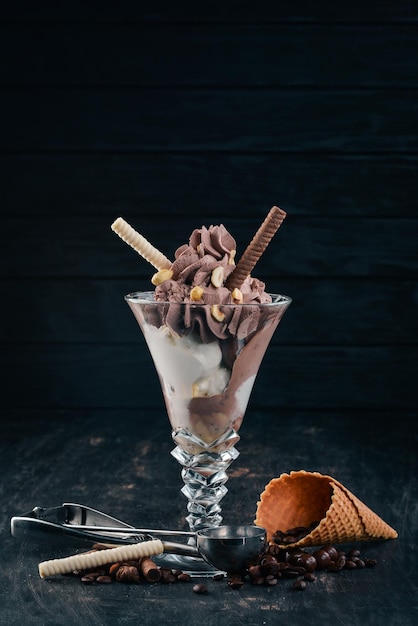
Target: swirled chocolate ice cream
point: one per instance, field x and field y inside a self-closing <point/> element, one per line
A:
<point x="207" y="340"/>
<point x="198" y="276"/>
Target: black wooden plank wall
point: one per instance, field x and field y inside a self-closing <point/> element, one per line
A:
<point x="177" y="116"/>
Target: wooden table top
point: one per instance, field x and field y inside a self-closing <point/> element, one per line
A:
<point x="119" y="463"/>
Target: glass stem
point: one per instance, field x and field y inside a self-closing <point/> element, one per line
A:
<point x="204" y="475"/>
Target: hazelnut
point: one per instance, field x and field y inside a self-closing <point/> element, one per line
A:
<point x="217" y="276"/>
<point x="237" y="296"/>
<point x="217" y="313"/>
<point x="196" y="293"/>
<point x="161" y="276"/>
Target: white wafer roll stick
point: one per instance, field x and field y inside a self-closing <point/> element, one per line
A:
<point x="101" y="557"/>
<point x="140" y="244"/>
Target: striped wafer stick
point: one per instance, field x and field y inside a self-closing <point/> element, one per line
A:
<point x="140" y="244"/>
<point x="256" y="248"/>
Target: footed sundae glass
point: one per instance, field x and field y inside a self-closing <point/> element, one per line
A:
<point x="207" y="358"/>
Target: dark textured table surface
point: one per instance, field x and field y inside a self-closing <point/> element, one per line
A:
<point x="176" y="115"/>
<point x="120" y="463"/>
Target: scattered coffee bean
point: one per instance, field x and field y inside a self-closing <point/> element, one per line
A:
<point x="255" y="571"/>
<point x="292" y="572"/>
<point x="332" y="551"/>
<point x="294" y="562"/>
<point x="183" y="578"/>
<point x="299" y="585"/>
<point x="235" y="581"/>
<point x="104" y="580"/>
<point x="354" y="552"/>
<point x="308" y="561"/>
<point x="127" y="574"/>
<point x="338" y="565"/>
<point x="268" y="565"/>
<point x="88" y="579"/>
<point x="114" y="568"/>
<point x="168" y="576"/>
<point x="176" y="572"/>
<point x="274" y="563"/>
<point x="293" y="535"/>
<point x="294" y="556"/>
<point x="323" y="559"/>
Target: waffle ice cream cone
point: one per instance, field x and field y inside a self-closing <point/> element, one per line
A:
<point x="303" y="499"/>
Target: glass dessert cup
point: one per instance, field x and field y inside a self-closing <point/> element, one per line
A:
<point x="207" y="361"/>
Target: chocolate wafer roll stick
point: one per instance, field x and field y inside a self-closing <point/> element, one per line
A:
<point x="256" y="248"/>
<point x="140" y="244"/>
<point x="151" y="571"/>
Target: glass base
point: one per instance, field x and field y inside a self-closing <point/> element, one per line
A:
<point x="195" y="567"/>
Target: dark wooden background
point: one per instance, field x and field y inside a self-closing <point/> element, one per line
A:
<point x="176" y="115"/>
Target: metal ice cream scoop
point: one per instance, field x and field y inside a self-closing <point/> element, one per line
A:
<point x="228" y="548"/>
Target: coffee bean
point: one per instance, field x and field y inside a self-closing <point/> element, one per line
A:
<point x="271" y="580"/>
<point x="293" y="572"/>
<point x="354" y="552"/>
<point x="332" y="551"/>
<point x="268" y="559"/>
<point x="283" y="566"/>
<point x="176" y="572"/>
<point x="338" y="565"/>
<point x="293" y="535"/>
<point x="333" y="567"/>
<point x="279" y="536"/>
<point x="308" y="561"/>
<point x="104" y="580"/>
<point x="127" y="574"/>
<point x="183" y="578"/>
<point x="299" y="585"/>
<point x="322" y="559"/>
<point x="268" y="568"/>
<point x="295" y="555"/>
<point x="235" y="581"/>
<point x="268" y="565"/>
<point x="289" y="539"/>
<point x="254" y="571"/>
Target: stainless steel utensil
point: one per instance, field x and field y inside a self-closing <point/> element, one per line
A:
<point x="227" y="548"/>
<point x="76" y="525"/>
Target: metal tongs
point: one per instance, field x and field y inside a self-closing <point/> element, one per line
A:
<point x="77" y="525"/>
<point x="227" y="548"/>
